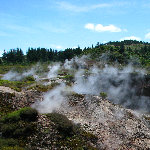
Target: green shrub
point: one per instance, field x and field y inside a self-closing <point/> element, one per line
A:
<point x="8" y="129"/>
<point x="11" y="117"/>
<point x="24" y="130"/>
<point x="29" y="78"/>
<point x="7" y="142"/>
<point x="28" y="114"/>
<point x="44" y="88"/>
<point x="19" y="129"/>
<point x="103" y="95"/>
<point x="19" y="123"/>
<point x="68" y="78"/>
<point x="62" y="123"/>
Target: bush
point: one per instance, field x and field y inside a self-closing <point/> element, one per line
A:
<point x="103" y="95"/>
<point x="15" y="130"/>
<point x="19" y="123"/>
<point x="62" y="123"/>
<point x="11" y="117"/>
<point x="7" y="142"/>
<point x="23" y="130"/>
<point x="8" y="129"/>
<point x="29" y="78"/>
<point x="28" y="114"/>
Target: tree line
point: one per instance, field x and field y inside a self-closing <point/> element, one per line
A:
<point x="39" y="55"/>
<point x="121" y="52"/>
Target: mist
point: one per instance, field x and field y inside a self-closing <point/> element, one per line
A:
<point x="53" y="70"/>
<point x="15" y="76"/>
<point x="120" y="84"/>
<point x="52" y="100"/>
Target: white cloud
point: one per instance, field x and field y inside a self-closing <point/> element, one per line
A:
<point x="75" y="8"/>
<point x="131" y="38"/>
<point x="90" y="26"/>
<point x="147" y="36"/>
<point x="101" y="28"/>
<point x="110" y="28"/>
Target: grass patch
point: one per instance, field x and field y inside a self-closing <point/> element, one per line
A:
<point x="77" y="95"/>
<point x="18" y="68"/>
<point x="16" y="85"/>
<point x="68" y="78"/>
<point x="44" y="88"/>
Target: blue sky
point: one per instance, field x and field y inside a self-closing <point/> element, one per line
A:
<point x="60" y="24"/>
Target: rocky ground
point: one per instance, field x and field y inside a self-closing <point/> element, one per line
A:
<point x="115" y="126"/>
<point x="19" y="99"/>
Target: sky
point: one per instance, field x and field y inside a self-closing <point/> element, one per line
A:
<point x="60" y="24"/>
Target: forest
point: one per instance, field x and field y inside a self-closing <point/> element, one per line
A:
<point x="121" y="52"/>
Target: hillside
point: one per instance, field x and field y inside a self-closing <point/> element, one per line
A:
<point x="77" y="104"/>
<point x="102" y="125"/>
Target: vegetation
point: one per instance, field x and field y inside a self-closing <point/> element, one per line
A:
<point x="16" y="85"/>
<point x="103" y="95"/>
<point x="68" y="78"/>
<point x="6" y="144"/>
<point x="44" y="88"/>
<point x="16" y="126"/>
<point x="62" y="123"/>
<point x="121" y="52"/>
<point x="73" y="136"/>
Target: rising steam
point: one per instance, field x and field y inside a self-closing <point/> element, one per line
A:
<point x="52" y="100"/>
<point x="120" y="84"/>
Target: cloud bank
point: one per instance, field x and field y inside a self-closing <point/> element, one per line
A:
<point x="101" y="28"/>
